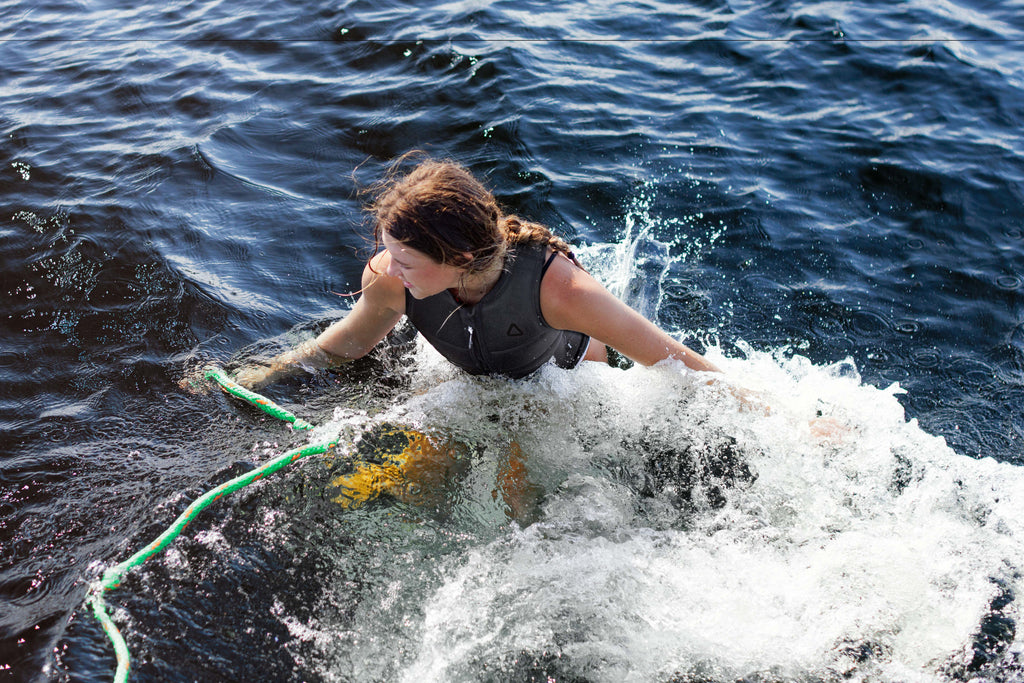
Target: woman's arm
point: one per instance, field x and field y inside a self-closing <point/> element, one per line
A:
<point x="379" y="308"/>
<point x="571" y="299"/>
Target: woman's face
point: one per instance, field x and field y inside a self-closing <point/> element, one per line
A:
<point x="421" y="275"/>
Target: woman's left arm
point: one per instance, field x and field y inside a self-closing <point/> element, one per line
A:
<point x="571" y="299"/>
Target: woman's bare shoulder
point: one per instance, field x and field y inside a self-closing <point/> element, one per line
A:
<point x="566" y="288"/>
<point x="380" y="289"/>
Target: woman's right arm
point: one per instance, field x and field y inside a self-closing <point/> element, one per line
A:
<point x="380" y="306"/>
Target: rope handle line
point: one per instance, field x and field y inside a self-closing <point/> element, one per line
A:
<point x="113" y="576"/>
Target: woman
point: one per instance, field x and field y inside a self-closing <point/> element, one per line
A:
<point x="492" y="293"/>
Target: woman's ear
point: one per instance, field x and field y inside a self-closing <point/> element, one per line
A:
<point x="465" y="259"/>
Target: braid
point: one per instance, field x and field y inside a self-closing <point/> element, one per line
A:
<point x="518" y="231"/>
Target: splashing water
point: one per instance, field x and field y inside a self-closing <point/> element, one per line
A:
<point x="785" y="523"/>
<point x="880" y="553"/>
<point x="634" y="268"/>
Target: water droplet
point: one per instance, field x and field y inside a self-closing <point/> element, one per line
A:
<point x="895" y="373"/>
<point x="878" y="357"/>
<point x="1008" y="282"/>
<point x="926" y="358"/>
<point x="908" y="326"/>
<point x="868" y="323"/>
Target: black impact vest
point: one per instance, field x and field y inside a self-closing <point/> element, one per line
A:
<point x="504" y="333"/>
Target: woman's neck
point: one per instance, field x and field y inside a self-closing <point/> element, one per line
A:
<point x="474" y="287"/>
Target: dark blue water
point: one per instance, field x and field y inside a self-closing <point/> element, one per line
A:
<point x="827" y="198"/>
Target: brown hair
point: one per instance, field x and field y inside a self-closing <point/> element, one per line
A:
<point x="440" y="209"/>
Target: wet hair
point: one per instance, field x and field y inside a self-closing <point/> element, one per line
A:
<point x="440" y="209"/>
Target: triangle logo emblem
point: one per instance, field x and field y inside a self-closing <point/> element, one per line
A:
<point x="514" y="331"/>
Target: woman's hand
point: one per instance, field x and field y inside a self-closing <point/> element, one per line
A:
<point x="257" y="376"/>
<point x="194" y="381"/>
<point x="259" y="372"/>
<point x="306" y="356"/>
<point x="829" y="430"/>
<point x="823" y="429"/>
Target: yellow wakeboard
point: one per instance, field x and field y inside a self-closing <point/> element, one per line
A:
<point x="405" y="463"/>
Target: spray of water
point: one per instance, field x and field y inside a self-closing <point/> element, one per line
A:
<point x="686" y="530"/>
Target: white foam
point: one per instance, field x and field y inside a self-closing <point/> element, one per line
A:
<point x="883" y="539"/>
<point x="865" y="549"/>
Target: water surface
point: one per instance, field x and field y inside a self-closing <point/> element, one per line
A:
<point x="825" y="198"/>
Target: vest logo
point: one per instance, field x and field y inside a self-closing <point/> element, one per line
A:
<point x="514" y="331"/>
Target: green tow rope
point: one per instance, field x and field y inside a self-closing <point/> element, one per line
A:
<point x="112" y="577"/>
<point x="261" y="402"/>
